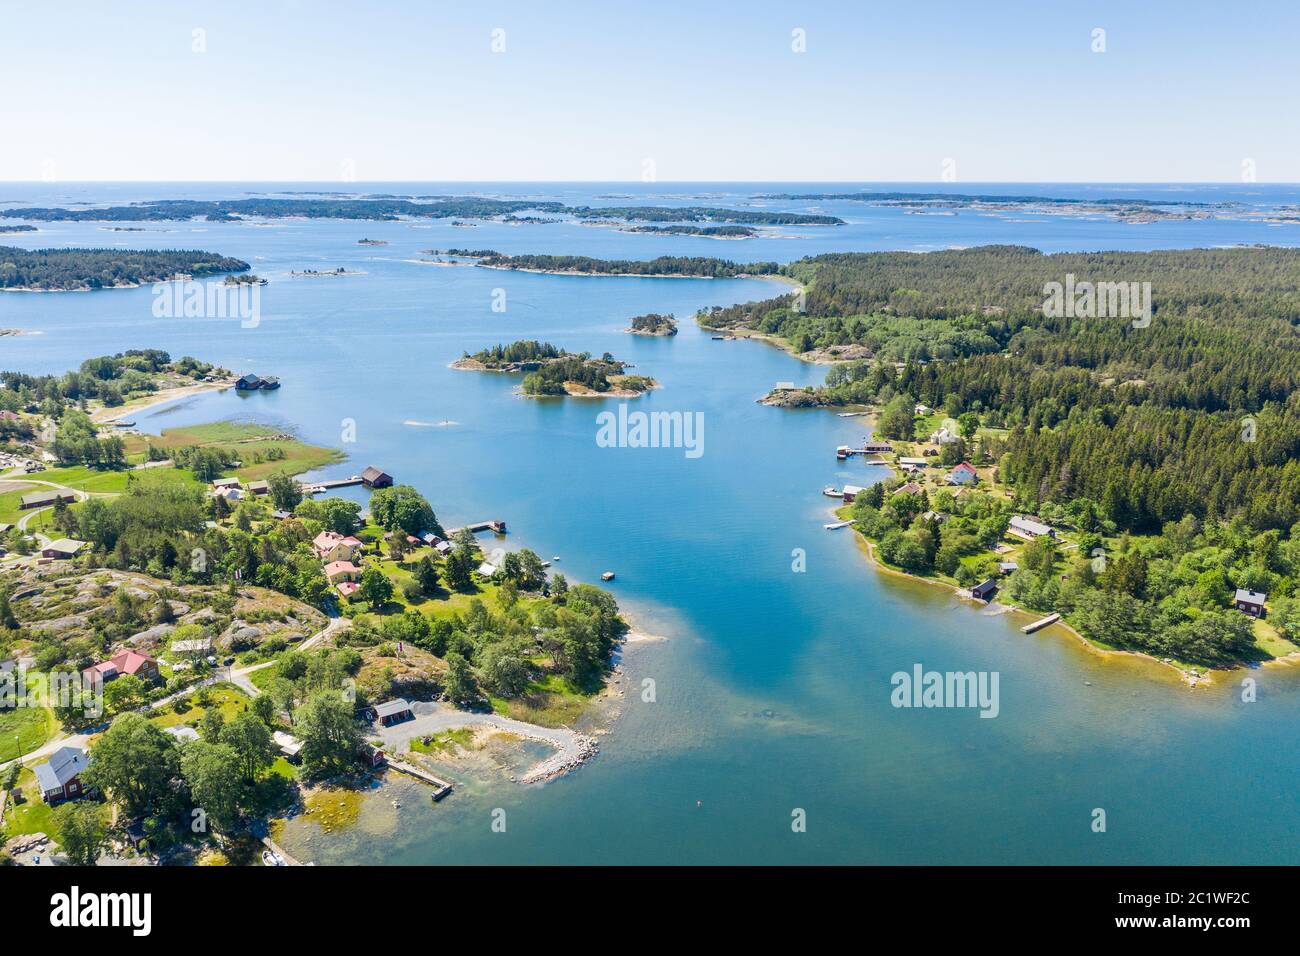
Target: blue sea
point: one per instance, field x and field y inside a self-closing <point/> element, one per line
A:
<point x="772" y="685"/>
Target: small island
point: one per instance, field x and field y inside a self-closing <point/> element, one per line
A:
<point x="653" y="324"/>
<point x="372" y="242"/>
<point x="551" y="371"/>
<point x="704" y="232"/>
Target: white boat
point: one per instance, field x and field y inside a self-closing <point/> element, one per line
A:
<point x="270" y="858"/>
<point x="830" y="492"/>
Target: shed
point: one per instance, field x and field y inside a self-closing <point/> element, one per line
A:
<point x="372" y="477"/>
<point x="984" y="590"/>
<point x="394" y="712"/>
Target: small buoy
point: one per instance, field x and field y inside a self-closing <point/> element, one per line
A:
<point x="698" y="804"/>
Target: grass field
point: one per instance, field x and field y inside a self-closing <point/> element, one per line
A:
<point x="23" y="729"/>
<point x="227" y="698"/>
<point x="246" y="441"/>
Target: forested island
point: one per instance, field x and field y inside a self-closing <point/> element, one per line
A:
<point x="653" y="324"/>
<point x="705" y="232"/>
<point x="67" y="270"/>
<point x="392" y="208"/>
<point x="1169" y="449"/>
<point x="666" y="266"/>
<point x="16" y="228"/>
<point x="550" y="370"/>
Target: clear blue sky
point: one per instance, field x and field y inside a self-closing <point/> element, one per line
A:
<point x="590" y="90"/>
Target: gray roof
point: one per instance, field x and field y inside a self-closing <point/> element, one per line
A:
<point x="390" y="707"/>
<point x="1251" y="597"/>
<point x="64" y="764"/>
<point x="183" y="732"/>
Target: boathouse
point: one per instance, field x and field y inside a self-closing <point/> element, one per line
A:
<point x="372" y="477"/>
<point x="394" y="712"/>
<point x="984" y="590"/>
<point x="1250" y="602"/>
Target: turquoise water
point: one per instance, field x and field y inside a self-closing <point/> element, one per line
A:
<point x="772" y="686"/>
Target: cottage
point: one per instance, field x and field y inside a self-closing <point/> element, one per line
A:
<point x="43" y="499"/>
<point x="877" y="447"/>
<point x="63" y="549"/>
<point x="851" y="492"/>
<point x="337" y="571"/>
<point x="259" y="487"/>
<point x="943" y="437"/>
<point x="225" y="483"/>
<point x="60" y="777"/>
<point x="911" y="488"/>
<point x="331" y="546"/>
<point x="126" y="662"/>
<point x="913" y="462"/>
<point x="1250" y="602"/>
<point x="372" y="477"/>
<point x="429" y="538"/>
<point x="1006" y="567"/>
<point x="347" y="589"/>
<point x="984" y="590"/>
<point x="939" y="516"/>
<point x="289" y="746"/>
<point x="1029" y="529"/>
<point x="182" y="733"/>
<point x="394" y="712"/>
<point x="963" y="474"/>
<point x="443" y="547"/>
<point x="487" y="569"/>
<point x="248" y="383"/>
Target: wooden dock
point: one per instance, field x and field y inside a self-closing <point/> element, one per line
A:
<point x="279" y="851"/>
<point x="1038" y="625"/>
<point x="316" y="487"/>
<point x="440" y="787"/>
<point x="497" y="526"/>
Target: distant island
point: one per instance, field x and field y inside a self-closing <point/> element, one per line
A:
<point x="666" y="266"/>
<point x="653" y="324"/>
<point x="16" y="228"/>
<point x="1125" y="210"/>
<point x="372" y="242"/>
<point x="551" y="371"/>
<point x="392" y="208"/>
<point x="71" y="270"/>
<point x="705" y="232"/>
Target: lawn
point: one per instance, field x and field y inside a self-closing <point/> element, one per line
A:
<point x="34" y="816"/>
<point x="227" y="698"/>
<point x="32" y="726"/>
<point x="247" y="442"/>
<point x="10" y="501"/>
<point x="552" y="701"/>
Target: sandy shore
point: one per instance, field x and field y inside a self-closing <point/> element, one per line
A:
<point x="106" y="415"/>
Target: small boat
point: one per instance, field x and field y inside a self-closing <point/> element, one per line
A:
<point x="607" y="576"/>
<point x="270" y="858"/>
<point x="830" y="492"/>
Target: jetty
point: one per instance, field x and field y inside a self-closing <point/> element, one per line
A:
<point x="499" y="527"/>
<point x="279" y="851"/>
<point x="868" y="448"/>
<point x="440" y="787"/>
<point x="316" y="487"/>
<point x="1037" y="625"/>
<point x="836" y="525"/>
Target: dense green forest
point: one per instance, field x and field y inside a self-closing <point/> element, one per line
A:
<point x="967" y="198"/>
<point x="1176" y="441"/>
<point x="108" y="378"/>
<point x="74" y="269"/>
<point x="703" y="266"/>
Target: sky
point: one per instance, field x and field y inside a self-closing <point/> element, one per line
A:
<point x="1008" y="91"/>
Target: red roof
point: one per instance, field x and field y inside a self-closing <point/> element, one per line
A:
<point x="340" y="567"/>
<point x="348" y="588"/>
<point x="965" y="466"/>
<point x="127" y="662"/>
<point x="8" y="416"/>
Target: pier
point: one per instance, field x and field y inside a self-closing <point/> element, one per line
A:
<point x="498" y="527"/>
<point x="279" y="851"/>
<point x="1038" y="625"/>
<point x="440" y="787"/>
<point x="316" y="487"/>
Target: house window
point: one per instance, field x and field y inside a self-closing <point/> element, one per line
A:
<point x="73" y="787"/>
